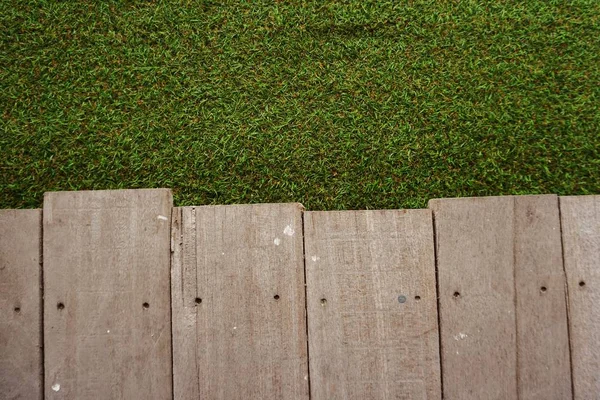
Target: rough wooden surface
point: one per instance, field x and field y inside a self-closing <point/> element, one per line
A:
<point x="20" y="305"/>
<point x="502" y="298"/>
<point x="238" y="302"/>
<point x="107" y="328"/>
<point x="474" y="241"/>
<point x="371" y="300"/>
<point x="544" y="370"/>
<point x="581" y="240"/>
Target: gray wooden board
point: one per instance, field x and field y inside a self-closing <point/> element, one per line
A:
<point x="503" y="320"/>
<point x="371" y="301"/>
<point x="107" y="327"/>
<point x="239" y="325"/>
<point x="20" y="305"/>
<point x="474" y="242"/>
<point x="581" y="239"/>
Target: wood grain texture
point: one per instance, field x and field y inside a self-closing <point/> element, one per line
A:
<point x="107" y="327"/>
<point x="502" y="301"/>
<point x="474" y="241"/>
<point x="544" y="370"/>
<point x="581" y="240"/>
<point x="20" y="304"/>
<point x="239" y="325"/>
<point x="371" y="300"/>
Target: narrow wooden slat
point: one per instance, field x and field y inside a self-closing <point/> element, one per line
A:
<point x="371" y="300"/>
<point x="20" y="305"/>
<point x="542" y="330"/>
<point x="474" y="242"/>
<point x="581" y="239"/>
<point x="107" y="328"/>
<point x="502" y="299"/>
<point x="238" y="301"/>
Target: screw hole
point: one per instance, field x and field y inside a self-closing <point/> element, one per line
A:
<point x="417" y="298"/>
<point x="323" y="302"/>
<point x="17" y="309"/>
<point x="198" y="300"/>
<point x="276" y="297"/>
<point x="543" y="288"/>
<point x="60" y="306"/>
<point x="146" y="305"/>
<point x="581" y="283"/>
<point x="456" y="294"/>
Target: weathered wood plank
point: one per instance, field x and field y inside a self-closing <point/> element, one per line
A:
<point x="107" y="328"/>
<point x="239" y="326"/>
<point x="371" y="300"/>
<point x="581" y="239"/>
<point x="544" y="370"/>
<point x="502" y="299"/>
<point x="474" y="240"/>
<point x="20" y="304"/>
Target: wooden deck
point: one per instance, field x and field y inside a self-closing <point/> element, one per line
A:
<point x="120" y="295"/>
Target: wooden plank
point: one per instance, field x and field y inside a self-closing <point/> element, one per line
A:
<point x="501" y="283"/>
<point x="239" y="326"/>
<point x="371" y="300"/>
<point x="544" y="370"/>
<point x="107" y="327"/>
<point x="474" y="243"/>
<point x="20" y="304"/>
<point x="580" y="218"/>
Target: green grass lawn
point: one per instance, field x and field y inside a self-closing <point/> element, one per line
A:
<point x="338" y="105"/>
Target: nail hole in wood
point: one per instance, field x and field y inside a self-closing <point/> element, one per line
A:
<point x="60" y="306"/>
<point x="323" y="302"/>
<point x="543" y="288"/>
<point x="276" y="297"/>
<point x="417" y="298"/>
<point x="146" y="305"/>
<point x="456" y="294"/>
<point x="581" y="283"/>
<point x="17" y="309"/>
<point x="198" y="300"/>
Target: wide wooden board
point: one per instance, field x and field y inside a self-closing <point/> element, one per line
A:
<point x="107" y="327"/>
<point x="503" y="318"/>
<point x="239" y="325"/>
<point x="580" y="217"/>
<point x="20" y="304"/>
<point x="371" y="300"/>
